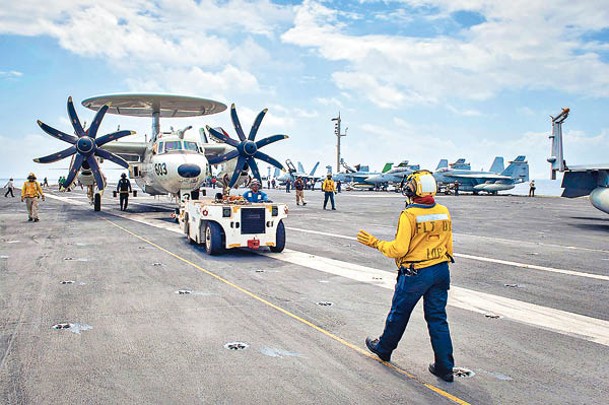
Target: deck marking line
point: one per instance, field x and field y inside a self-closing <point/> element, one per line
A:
<point x="480" y="258"/>
<point x="566" y="323"/>
<point x="296" y="317"/>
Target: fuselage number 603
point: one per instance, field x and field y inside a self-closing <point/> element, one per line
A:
<point x="160" y="169"/>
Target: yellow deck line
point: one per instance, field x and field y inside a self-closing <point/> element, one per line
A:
<point x="296" y="317"/>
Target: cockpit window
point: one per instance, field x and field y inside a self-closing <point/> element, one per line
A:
<point x="191" y="146"/>
<point x="172" y="145"/>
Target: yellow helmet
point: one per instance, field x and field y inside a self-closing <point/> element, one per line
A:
<point x="421" y="183"/>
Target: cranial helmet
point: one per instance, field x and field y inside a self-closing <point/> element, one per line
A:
<point x="123" y="175"/>
<point x="421" y="184"/>
<point x="329" y="176"/>
<point x="255" y="183"/>
<point x="31" y="176"/>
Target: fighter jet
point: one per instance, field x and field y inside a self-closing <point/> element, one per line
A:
<point x="581" y="180"/>
<point x="491" y="182"/>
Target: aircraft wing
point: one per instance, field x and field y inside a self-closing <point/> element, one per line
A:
<point x="477" y="176"/>
<point x="130" y="151"/>
<point x="588" y="168"/>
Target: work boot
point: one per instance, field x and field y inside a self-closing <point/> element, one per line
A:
<point x="448" y="377"/>
<point x="30" y="219"/>
<point x="372" y="345"/>
<point x="304" y="203"/>
<point x="333" y="209"/>
<point x="36" y="220"/>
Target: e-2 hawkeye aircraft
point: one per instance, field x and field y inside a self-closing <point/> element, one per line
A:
<point x="170" y="162"/>
<point x="578" y="181"/>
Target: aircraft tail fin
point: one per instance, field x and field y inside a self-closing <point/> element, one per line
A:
<point x="556" y="160"/>
<point x="314" y="169"/>
<point x="277" y="172"/>
<point x="443" y="163"/>
<point x="300" y="167"/>
<point x="387" y="167"/>
<point x="498" y="165"/>
<point x="460" y="164"/>
<point x="518" y="169"/>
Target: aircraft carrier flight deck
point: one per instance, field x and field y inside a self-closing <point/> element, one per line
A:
<point x="118" y="307"/>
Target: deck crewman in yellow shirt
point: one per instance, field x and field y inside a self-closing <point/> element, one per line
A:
<point x="422" y="248"/>
<point x="329" y="188"/>
<point x="31" y="192"/>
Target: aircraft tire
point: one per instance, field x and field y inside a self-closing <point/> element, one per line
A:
<point x="279" y="239"/>
<point x="213" y="239"/>
<point x="97" y="202"/>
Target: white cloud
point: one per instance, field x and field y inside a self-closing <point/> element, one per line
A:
<point x="11" y="74"/>
<point x="519" y="46"/>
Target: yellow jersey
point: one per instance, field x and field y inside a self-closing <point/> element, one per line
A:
<point x="31" y="189"/>
<point x="328" y="185"/>
<point x="423" y="238"/>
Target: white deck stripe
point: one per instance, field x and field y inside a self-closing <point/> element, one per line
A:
<point x="566" y="323"/>
<point x="482" y="259"/>
<point x="591" y="329"/>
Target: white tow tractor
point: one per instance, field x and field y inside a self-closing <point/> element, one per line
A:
<point x="233" y="222"/>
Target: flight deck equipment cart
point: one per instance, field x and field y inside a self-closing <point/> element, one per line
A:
<point x="233" y="222"/>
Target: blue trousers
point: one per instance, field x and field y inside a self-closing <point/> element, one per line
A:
<point x="330" y="195"/>
<point x="432" y="283"/>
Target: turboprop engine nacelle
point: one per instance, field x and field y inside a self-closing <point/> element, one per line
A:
<point x="599" y="198"/>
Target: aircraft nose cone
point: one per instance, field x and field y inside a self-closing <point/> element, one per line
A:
<point x="189" y="170"/>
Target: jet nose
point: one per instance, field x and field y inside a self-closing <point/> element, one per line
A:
<point x="189" y="170"/>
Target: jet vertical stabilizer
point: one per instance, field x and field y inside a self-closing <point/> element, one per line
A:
<point x="518" y="169"/>
<point x="443" y="163"/>
<point x="497" y="166"/>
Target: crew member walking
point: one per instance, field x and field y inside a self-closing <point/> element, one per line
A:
<point x="422" y="248"/>
<point x="124" y="188"/>
<point x="329" y="189"/>
<point x="299" y="187"/>
<point x="31" y="192"/>
<point x="9" y="188"/>
<point x="532" y="188"/>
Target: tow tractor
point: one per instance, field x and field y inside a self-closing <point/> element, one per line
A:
<point x="230" y="222"/>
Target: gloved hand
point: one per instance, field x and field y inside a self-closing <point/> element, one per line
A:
<point x="367" y="239"/>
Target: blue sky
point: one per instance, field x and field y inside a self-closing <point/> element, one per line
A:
<point x="412" y="79"/>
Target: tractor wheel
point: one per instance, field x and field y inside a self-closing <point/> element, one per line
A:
<point x="213" y="239"/>
<point x="279" y="239"/>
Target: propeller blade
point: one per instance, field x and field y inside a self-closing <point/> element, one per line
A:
<point x="92" y="132"/>
<point x="256" y="124"/>
<point x="222" y="137"/>
<point x="102" y="140"/>
<point x="112" y="157"/>
<point x="236" y="122"/>
<point x="254" y="166"/>
<point x="57" y="134"/>
<point x="223" y="158"/>
<point x="74" y="118"/>
<point x="263" y="156"/>
<point x="238" y="169"/>
<point x="269" y="140"/>
<point x="76" y="165"/>
<point x="54" y="157"/>
<point x="96" y="172"/>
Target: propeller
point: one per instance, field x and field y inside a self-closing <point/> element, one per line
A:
<point x="85" y="145"/>
<point x="246" y="150"/>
